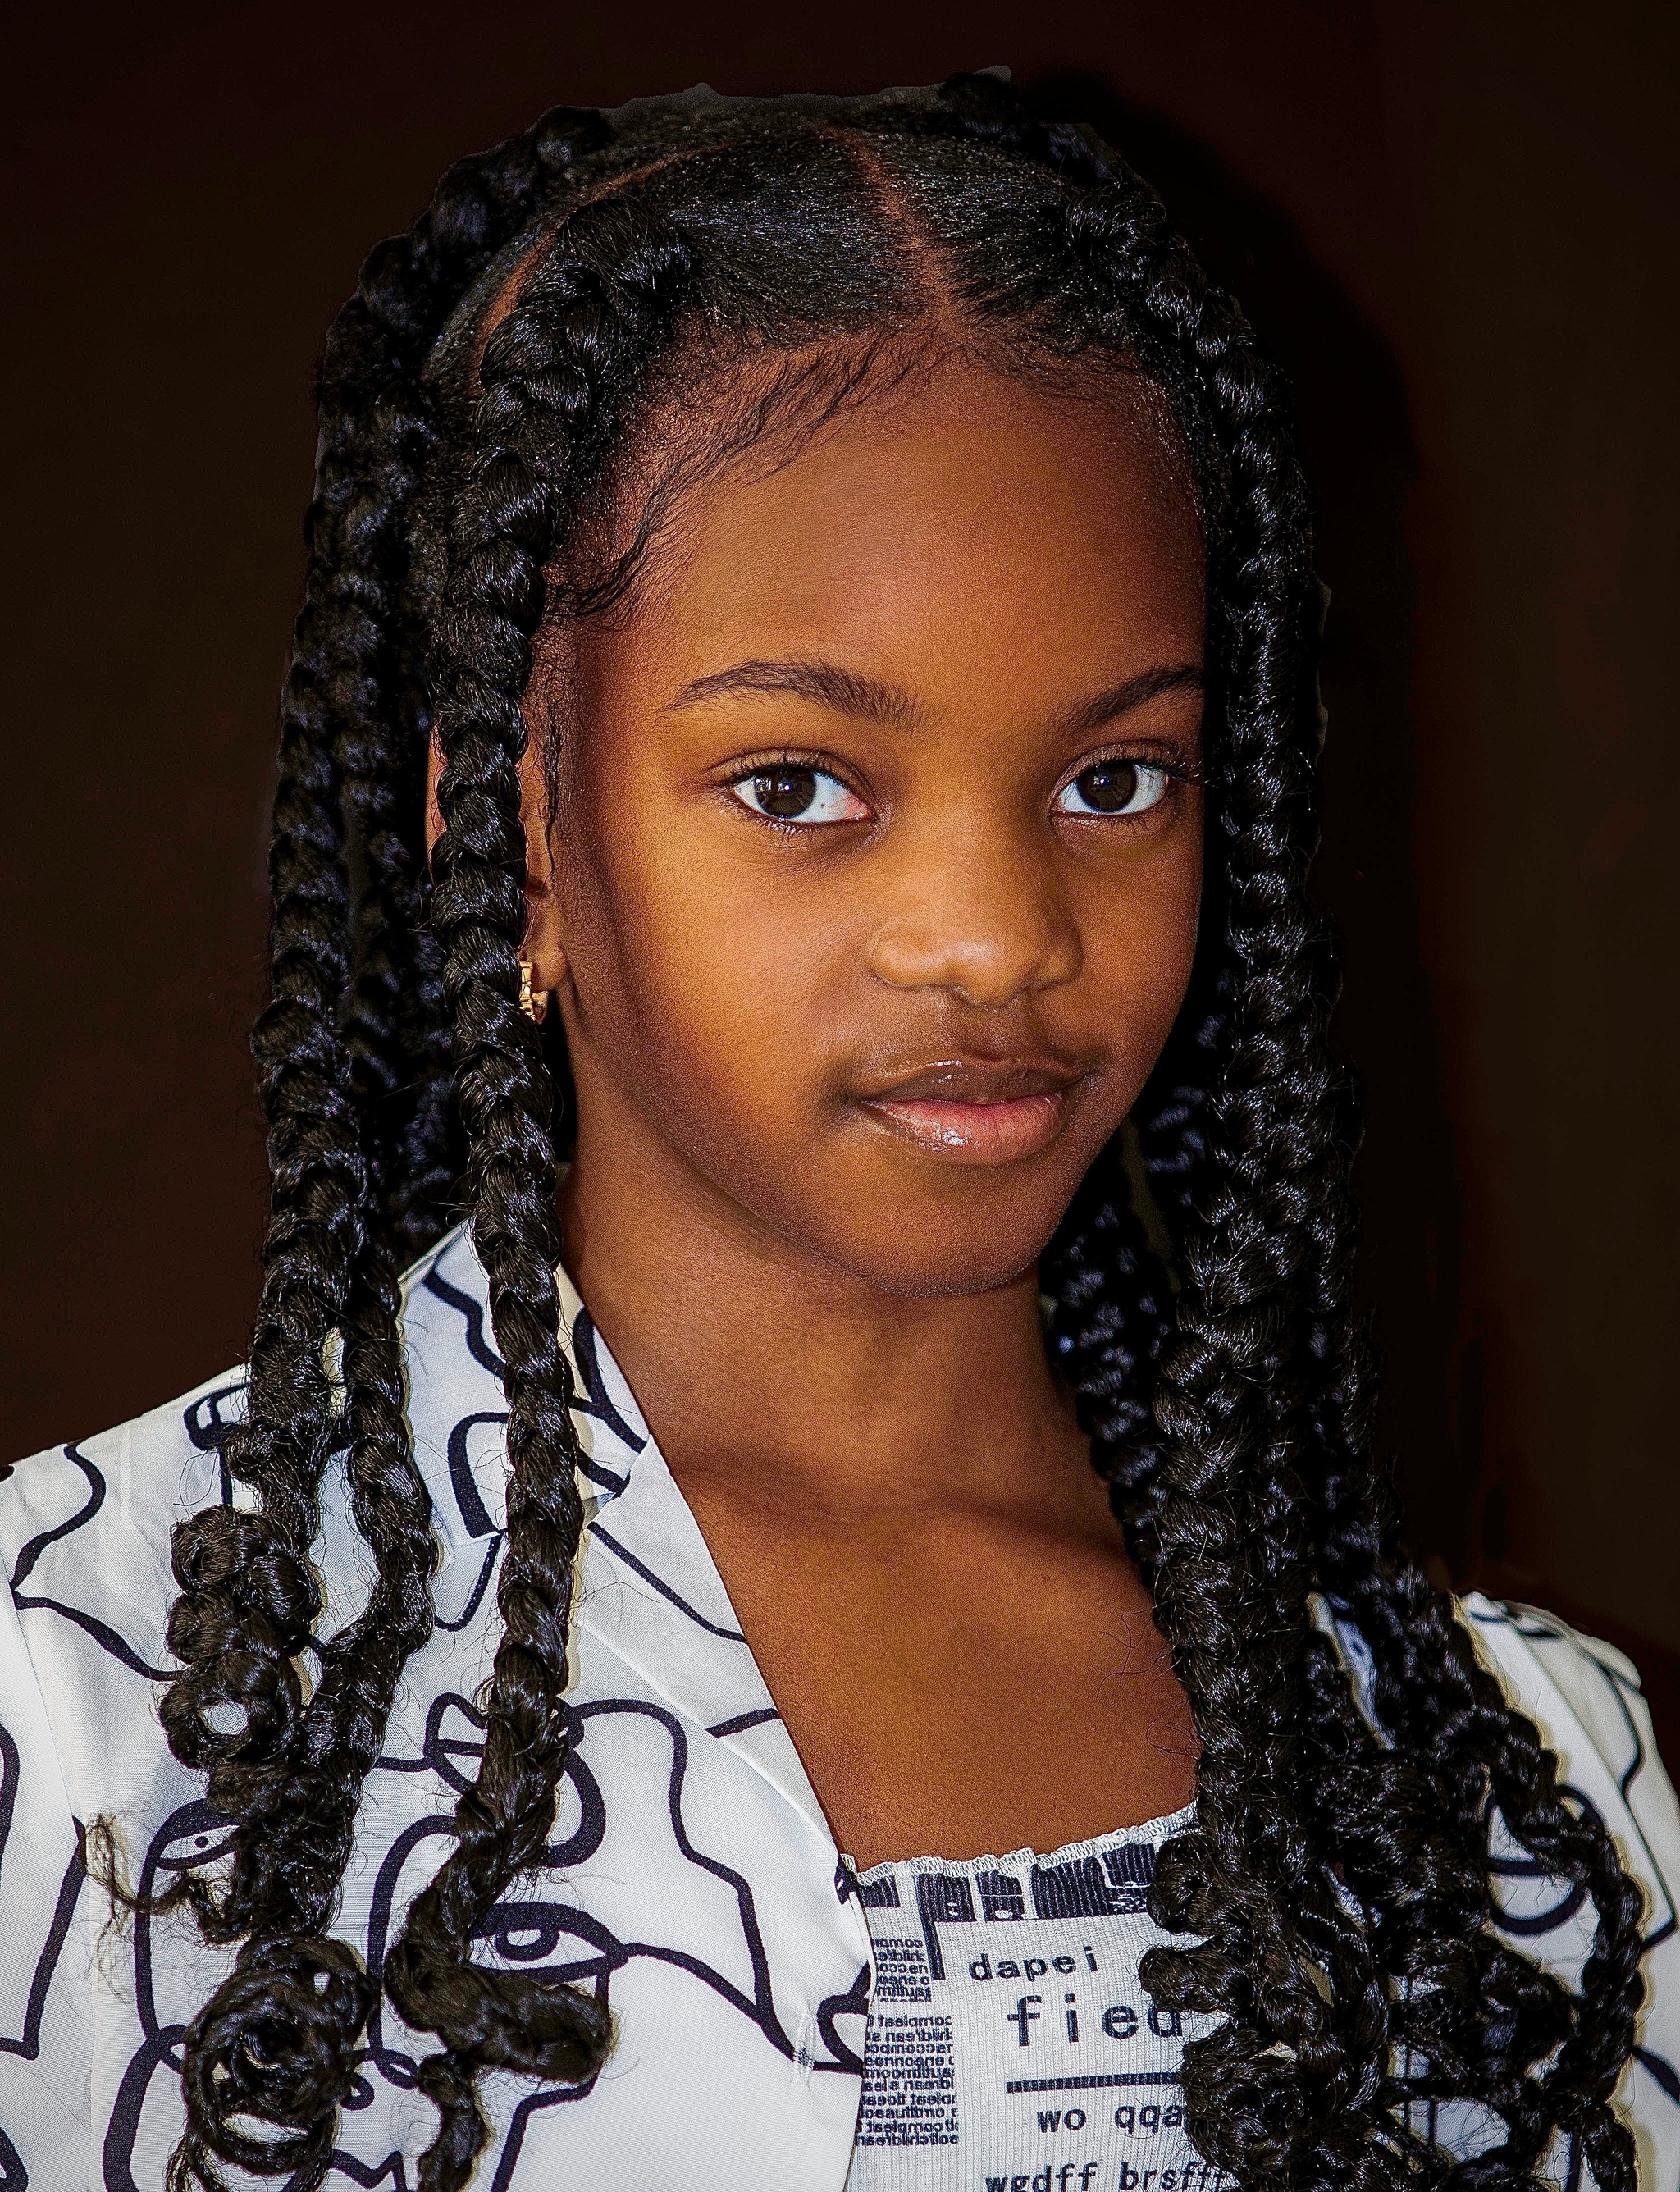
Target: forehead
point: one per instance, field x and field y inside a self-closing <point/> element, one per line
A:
<point x="963" y="511"/>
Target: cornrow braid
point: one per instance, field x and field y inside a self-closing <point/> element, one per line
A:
<point x="1332" y="1895"/>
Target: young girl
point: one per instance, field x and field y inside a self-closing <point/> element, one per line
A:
<point x="891" y="1665"/>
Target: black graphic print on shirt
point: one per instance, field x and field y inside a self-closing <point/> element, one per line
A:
<point x="1011" y="2040"/>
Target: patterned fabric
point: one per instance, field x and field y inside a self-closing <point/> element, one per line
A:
<point x="693" y="1879"/>
<point x="1010" y="2032"/>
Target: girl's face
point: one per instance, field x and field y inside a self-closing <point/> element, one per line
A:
<point x="877" y="862"/>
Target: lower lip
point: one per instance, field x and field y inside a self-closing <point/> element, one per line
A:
<point x="976" y="1133"/>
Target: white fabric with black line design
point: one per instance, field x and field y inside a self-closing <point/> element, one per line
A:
<point x="693" y="1880"/>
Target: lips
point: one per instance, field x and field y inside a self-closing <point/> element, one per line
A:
<point x="976" y="1111"/>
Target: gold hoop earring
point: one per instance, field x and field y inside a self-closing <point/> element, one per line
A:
<point x="533" y="1003"/>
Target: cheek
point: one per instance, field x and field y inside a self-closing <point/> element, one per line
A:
<point x="1140" y="947"/>
<point x="706" y="996"/>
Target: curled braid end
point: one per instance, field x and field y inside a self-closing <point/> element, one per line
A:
<point x="500" y="2020"/>
<point x="275" y="2045"/>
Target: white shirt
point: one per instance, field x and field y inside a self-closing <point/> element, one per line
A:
<point x="694" y="1880"/>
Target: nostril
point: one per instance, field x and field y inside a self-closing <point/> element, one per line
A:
<point x="986" y="972"/>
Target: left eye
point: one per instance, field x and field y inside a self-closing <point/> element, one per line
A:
<point x="1113" y="787"/>
<point x="793" y="794"/>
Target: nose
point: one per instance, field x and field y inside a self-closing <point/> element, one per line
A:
<point x="975" y="914"/>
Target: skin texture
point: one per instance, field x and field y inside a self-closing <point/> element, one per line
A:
<point x="828" y="1307"/>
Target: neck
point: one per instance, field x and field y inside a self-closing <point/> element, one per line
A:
<point x="762" y="1365"/>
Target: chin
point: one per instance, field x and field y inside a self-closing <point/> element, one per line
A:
<point x="936" y="1261"/>
<point x="965" y="1232"/>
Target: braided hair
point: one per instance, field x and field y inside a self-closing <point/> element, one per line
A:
<point x="1332" y="1895"/>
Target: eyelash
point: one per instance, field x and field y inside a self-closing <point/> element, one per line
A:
<point x="790" y="764"/>
<point x="1166" y="772"/>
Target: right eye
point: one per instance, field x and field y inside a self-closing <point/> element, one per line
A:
<point x="793" y="792"/>
<point x="1114" y="787"/>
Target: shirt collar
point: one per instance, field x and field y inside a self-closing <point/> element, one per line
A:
<point x="649" y="1588"/>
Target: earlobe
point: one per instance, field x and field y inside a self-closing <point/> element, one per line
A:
<point x="544" y="948"/>
<point x="533" y="1001"/>
<point x="543" y="966"/>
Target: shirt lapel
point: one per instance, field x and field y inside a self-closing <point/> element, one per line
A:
<point x="648" y="1588"/>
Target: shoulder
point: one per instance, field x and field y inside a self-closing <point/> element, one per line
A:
<point x="86" y="1529"/>
<point x="85" y="1526"/>
<point x="1585" y="1697"/>
<point x="85" y="1537"/>
<point x="1582" y="1695"/>
<point x="184" y="1434"/>
<point x="109" y="1503"/>
<point x="85" y="1533"/>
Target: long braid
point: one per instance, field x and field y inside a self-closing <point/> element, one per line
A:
<point x="273" y="2042"/>
<point x="1232" y="1401"/>
<point x="602" y="297"/>
<point x="1234" y="1570"/>
<point x="248" y="1601"/>
<point x="1309" y="1129"/>
<point x="376" y="355"/>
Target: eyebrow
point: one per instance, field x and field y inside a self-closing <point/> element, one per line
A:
<point x="1132" y="693"/>
<point x="874" y="700"/>
<point x="848" y="692"/>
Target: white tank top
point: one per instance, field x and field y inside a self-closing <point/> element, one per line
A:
<point x="1011" y="2044"/>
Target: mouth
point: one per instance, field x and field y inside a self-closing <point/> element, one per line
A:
<point x="974" y="1112"/>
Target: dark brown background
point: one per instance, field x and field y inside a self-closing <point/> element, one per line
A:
<point x="1455" y="225"/>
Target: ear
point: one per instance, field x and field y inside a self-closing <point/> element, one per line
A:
<point x="545" y="945"/>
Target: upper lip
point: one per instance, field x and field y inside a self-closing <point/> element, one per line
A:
<point x="974" y="1081"/>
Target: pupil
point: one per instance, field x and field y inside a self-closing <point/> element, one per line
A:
<point x="1111" y="787"/>
<point x="786" y="792"/>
